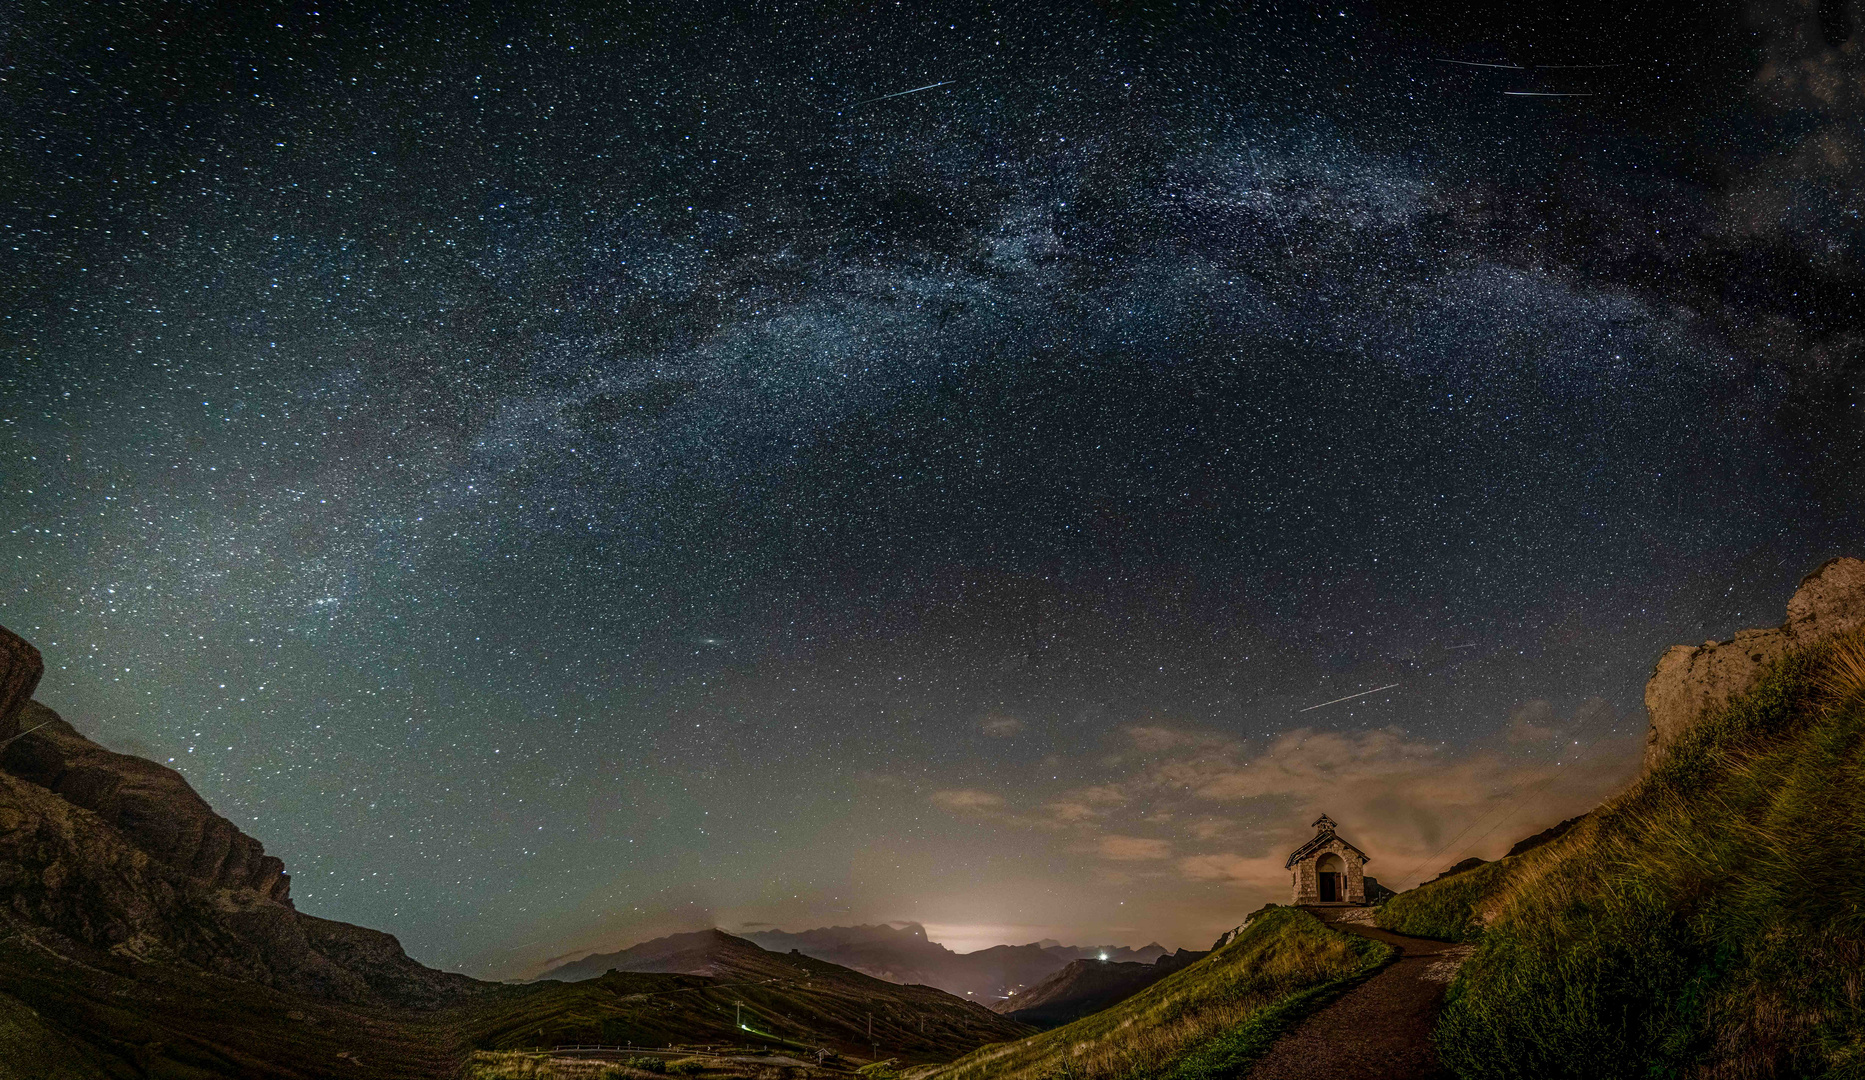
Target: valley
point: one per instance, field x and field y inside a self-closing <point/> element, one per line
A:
<point x="143" y="935"/>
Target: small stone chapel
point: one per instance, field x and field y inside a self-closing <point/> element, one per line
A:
<point x="1327" y="869"/>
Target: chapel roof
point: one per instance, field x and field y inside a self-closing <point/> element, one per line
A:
<point x="1324" y="833"/>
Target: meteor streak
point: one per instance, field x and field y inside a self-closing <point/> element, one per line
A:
<point x="1350" y="697"/>
<point x="903" y="93"/>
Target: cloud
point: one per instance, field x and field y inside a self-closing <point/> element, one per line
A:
<point x="1133" y="848"/>
<point x="967" y="801"/>
<point x="1069" y="811"/>
<point x="1156" y="739"/>
<point x="998" y="726"/>
<point x="1794" y="211"/>
<point x="1533" y="723"/>
<point x="1228" y="867"/>
<point x="1226" y="810"/>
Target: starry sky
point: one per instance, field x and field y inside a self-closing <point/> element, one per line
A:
<point x="562" y="474"/>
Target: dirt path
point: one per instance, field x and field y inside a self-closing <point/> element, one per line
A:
<point x="1381" y="1029"/>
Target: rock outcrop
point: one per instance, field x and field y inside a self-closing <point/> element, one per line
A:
<point x="151" y="805"/>
<point x="1692" y="680"/>
<point x="20" y="669"/>
<point x="106" y="851"/>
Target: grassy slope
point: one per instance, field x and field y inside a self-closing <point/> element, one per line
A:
<point x="790" y="1002"/>
<point x="117" y="1017"/>
<point x="1447" y="910"/>
<point x="100" y="1015"/>
<point x="1205" y="1021"/>
<point x="1710" y="921"/>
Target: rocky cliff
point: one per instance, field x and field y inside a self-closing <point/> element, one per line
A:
<point x="20" y="669"/>
<point x="147" y="804"/>
<point x="106" y="851"/>
<point x="1691" y="680"/>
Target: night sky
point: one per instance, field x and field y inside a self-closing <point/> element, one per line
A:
<point x="559" y="476"/>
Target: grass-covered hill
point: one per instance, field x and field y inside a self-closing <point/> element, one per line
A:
<point x="1708" y="922"/>
<point x="788" y="1001"/>
<point x="69" y="1011"/>
<point x="1202" y="1022"/>
<point x="1088" y="986"/>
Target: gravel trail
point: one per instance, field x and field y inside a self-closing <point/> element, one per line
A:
<point x="1379" y="1030"/>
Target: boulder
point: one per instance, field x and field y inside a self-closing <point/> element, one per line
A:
<point x="1692" y="680"/>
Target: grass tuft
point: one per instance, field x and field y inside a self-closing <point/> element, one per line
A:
<point x="1447" y="910"/>
<point x="1843" y="675"/>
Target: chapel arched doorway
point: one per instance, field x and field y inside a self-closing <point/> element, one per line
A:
<point x="1330" y="873"/>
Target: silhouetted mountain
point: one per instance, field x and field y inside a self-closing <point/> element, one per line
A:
<point x="1088" y="986"/>
<point x="902" y="953"/>
<point x="147" y="935"/>
<point x="1188" y="1025"/>
<point x="789" y="997"/>
<point x="1461" y="867"/>
<point x="703" y="952"/>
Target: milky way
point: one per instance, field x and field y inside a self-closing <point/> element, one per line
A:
<point x="571" y="475"/>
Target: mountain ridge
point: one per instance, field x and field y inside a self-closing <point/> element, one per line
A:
<point x="899" y="953"/>
<point x="1089" y="986"/>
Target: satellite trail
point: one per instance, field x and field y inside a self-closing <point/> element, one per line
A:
<point x="1350" y="697"/>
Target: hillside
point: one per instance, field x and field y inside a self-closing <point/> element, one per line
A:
<point x="142" y="934"/>
<point x="1088" y="986"/>
<point x="788" y="1000"/>
<point x="1204" y="1021"/>
<point x="1705" y="922"/>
